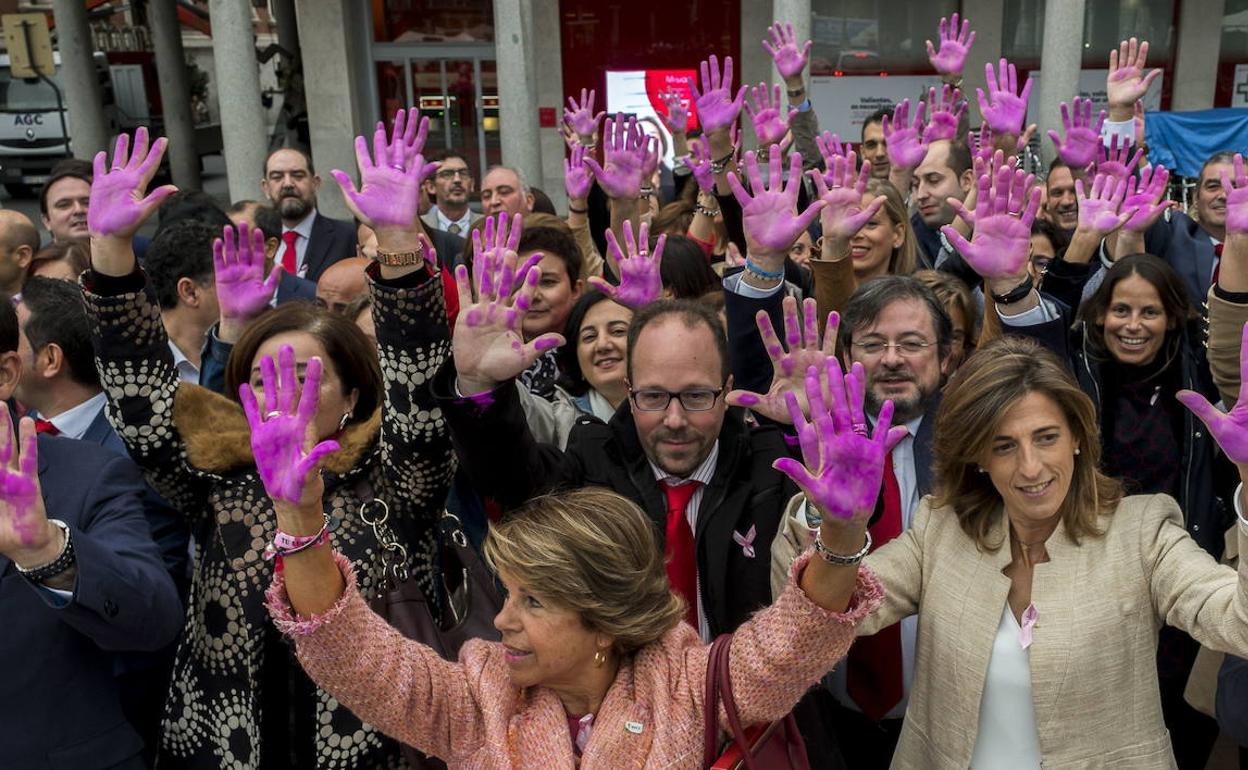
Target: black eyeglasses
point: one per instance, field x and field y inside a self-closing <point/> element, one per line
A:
<point x="451" y="173"/>
<point x="698" y="400"/>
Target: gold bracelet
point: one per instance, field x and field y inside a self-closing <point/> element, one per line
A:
<point x="401" y="258"/>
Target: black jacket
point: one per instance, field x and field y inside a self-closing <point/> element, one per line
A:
<point x="505" y="462"/>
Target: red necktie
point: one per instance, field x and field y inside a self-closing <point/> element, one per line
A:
<point x="678" y="551"/>
<point x="1217" y="253"/>
<point x="290" y="259"/>
<point x="874" y="676"/>
<point x="45" y="426"/>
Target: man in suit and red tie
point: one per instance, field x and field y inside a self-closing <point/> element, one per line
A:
<point x="311" y="242"/>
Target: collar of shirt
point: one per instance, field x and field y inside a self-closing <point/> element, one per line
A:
<point x="187" y="371"/>
<point x="445" y="222"/>
<point x="304" y="228"/>
<point x="73" y="423"/>
<point x="703" y="473"/>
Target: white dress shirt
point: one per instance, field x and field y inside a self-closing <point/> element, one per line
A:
<point x="187" y="371"/>
<point x="445" y="222"/>
<point x="1007" y="717"/>
<point x="73" y="423"/>
<point x="703" y="474"/>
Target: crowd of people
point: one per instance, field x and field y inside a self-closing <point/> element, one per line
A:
<point x="950" y="456"/>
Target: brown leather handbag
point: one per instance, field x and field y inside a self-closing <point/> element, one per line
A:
<point x="773" y="746"/>
<point x="470" y="597"/>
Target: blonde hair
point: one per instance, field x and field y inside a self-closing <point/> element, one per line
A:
<point x="991" y="381"/>
<point x="593" y="552"/>
<point x="905" y="258"/>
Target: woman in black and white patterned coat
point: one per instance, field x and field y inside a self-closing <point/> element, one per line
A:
<point x="238" y="699"/>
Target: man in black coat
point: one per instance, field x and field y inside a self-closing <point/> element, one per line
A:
<point x="310" y="242"/>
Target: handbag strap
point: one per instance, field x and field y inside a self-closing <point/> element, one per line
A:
<point x="710" y="702"/>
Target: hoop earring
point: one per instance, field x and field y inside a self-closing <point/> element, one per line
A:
<point x="342" y="424"/>
<point x="600" y="658"/>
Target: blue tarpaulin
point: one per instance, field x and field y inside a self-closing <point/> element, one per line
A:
<point x="1182" y="141"/>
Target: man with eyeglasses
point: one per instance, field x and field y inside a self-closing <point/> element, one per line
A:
<point x="451" y="188"/>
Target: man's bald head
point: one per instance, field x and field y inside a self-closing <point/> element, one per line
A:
<point x="341" y="283"/>
<point x="19" y="240"/>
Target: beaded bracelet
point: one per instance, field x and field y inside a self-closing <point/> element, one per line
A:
<point x="753" y="267"/>
<point x="285" y="544"/>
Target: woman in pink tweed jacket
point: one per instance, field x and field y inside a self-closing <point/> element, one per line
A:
<point x="595" y="666"/>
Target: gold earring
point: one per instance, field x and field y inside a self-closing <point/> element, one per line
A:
<point x="600" y="658"/>
<point x="342" y="424"/>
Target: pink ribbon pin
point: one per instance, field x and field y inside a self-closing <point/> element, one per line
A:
<point x="746" y="541"/>
<point x="1030" y="616"/>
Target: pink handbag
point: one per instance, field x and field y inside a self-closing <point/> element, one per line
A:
<point x="774" y="746"/>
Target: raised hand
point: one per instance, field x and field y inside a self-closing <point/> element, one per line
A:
<point x="782" y="47"/>
<point x="842" y="465"/>
<point x="677" y="117"/>
<point x="1146" y="200"/>
<point x="906" y="148"/>
<point x="830" y="146"/>
<point x="1126" y="83"/>
<point x="801" y="350"/>
<point x="1004" y="211"/>
<point x="1230" y="430"/>
<point x="1116" y="161"/>
<point x="243" y="291"/>
<point x="699" y="162"/>
<point x="1005" y="107"/>
<point x="578" y="179"/>
<point x="769" y="214"/>
<point x="1236" y="197"/>
<point x="771" y="121"/>
<point x="841" y="191"/>
<point x="717" y="109"/>
<point x="119" y="202"/>
<point x="488" y="346"/>
<point x="624" y="158"/>
<point x="1099" y="208"/>
<point x="283" y="441"/>
<point x="945" y="115"/>
<point x="390" y="179"/>
<point x="954" y="44"/>
<point x="640" y="283"/>
<point x="580" y="116"/>
<point x="1083" y="136"/>
<point x="24" y="531"/>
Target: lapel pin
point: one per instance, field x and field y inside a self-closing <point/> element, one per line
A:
<point x="633" y="727"/>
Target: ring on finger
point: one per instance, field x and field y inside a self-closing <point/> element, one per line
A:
<point x="860" y="428"/>
<point x="397" y="167"/>
<point x="272" y="414"/>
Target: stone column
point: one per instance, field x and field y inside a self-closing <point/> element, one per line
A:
<point x="243" y="128"/>
<point x="328" y="86"/>
<point x="1196" y="63"/>
<point x="175" y="93"/>
<point x="517" y="87"/>
<point x="1060" y="55"/>
<point x="80" y="83"/>
<point x="795" y="12"/>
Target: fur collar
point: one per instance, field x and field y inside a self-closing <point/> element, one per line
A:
<point x="218" y="439"/>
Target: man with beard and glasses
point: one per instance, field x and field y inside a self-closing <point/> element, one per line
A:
<point x="450" y="187"/>
<point x="310" y="242"/>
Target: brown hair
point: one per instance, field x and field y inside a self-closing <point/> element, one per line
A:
<point x="75" y="253"/>
<point x="905" y="257"/>
<point x="673" y="219"/>
<point x="983" y="389"/>
<point x="594" y="553"/>
<point x="353" y="356"/>
<point x="551" y="235"/>
<point x="1170" y="288"/>
<point x="953" y="293"/>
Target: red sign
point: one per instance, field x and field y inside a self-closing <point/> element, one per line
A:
<point x="659" y="82"/>
<point x="546" y="117"/>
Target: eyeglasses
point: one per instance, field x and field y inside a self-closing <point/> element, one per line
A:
<point x="698" y="400"/>
<point x="451" y="173"/>
<point x="908" y="348"/>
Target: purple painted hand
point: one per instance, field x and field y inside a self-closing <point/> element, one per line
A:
<point x="242" y="290"/>
<point x="782" y="47"/>
<point x="717" y="109"/>
<point x="767" y="114"/>
<point x="23" y="520"/>
<point x="905" y="142"/>
<point x="677" y="116"/>
<point x="842" y="467"/>
<point x="1099" y="209"/>
<point x="942" y="124"/>
<point x="624" y="158"/>
<point x="283" y="439"/>
<point x="954" y="44"/>
<point x="580" y="117"/>
<point x="830" y="146"/>
<point x="1146" y="201"/>
<point x="1126" y="83"/>
<point x="390" y="180"/>
<point x="640" y="283"/>
<point x="487" y="346"/>
<point x="1230" y="430"/>
<point x="118" y="205"/>
<point x="841" y="193"/>
<point x="1005" y="107"/>
<point x="1004" y="211"/>
<point x="768" y="215"/>
<point x="1236" y="197"/>
<point x="578" y="179"/>
<point x="1083" y="136"/>
<point x="490" y="245"/>
<point x="802" y="350"/>
<point x="1116" y="161"/>
<point x="699" y="162"/>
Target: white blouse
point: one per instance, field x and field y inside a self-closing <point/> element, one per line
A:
<point x="1007" y="719"/>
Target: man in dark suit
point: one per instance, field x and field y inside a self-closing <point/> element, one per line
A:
<point x="81" y="583"/>
<point x="255" y="214"/>
<point x="310" y="242"/>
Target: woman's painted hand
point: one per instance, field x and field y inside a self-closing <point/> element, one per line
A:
<point x="390" y="179"/>
<point x="243" y="291"/>
<point x="1005" y="107"/>
<point x="803" y="348"/>
<point x="119" y="202"/>
<point x="955" y="42"/>
<point x="640" y="282"/>
<point x="1083" y="135"/>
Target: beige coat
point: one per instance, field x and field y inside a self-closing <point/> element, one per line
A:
<point x="1101" y="603"/>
